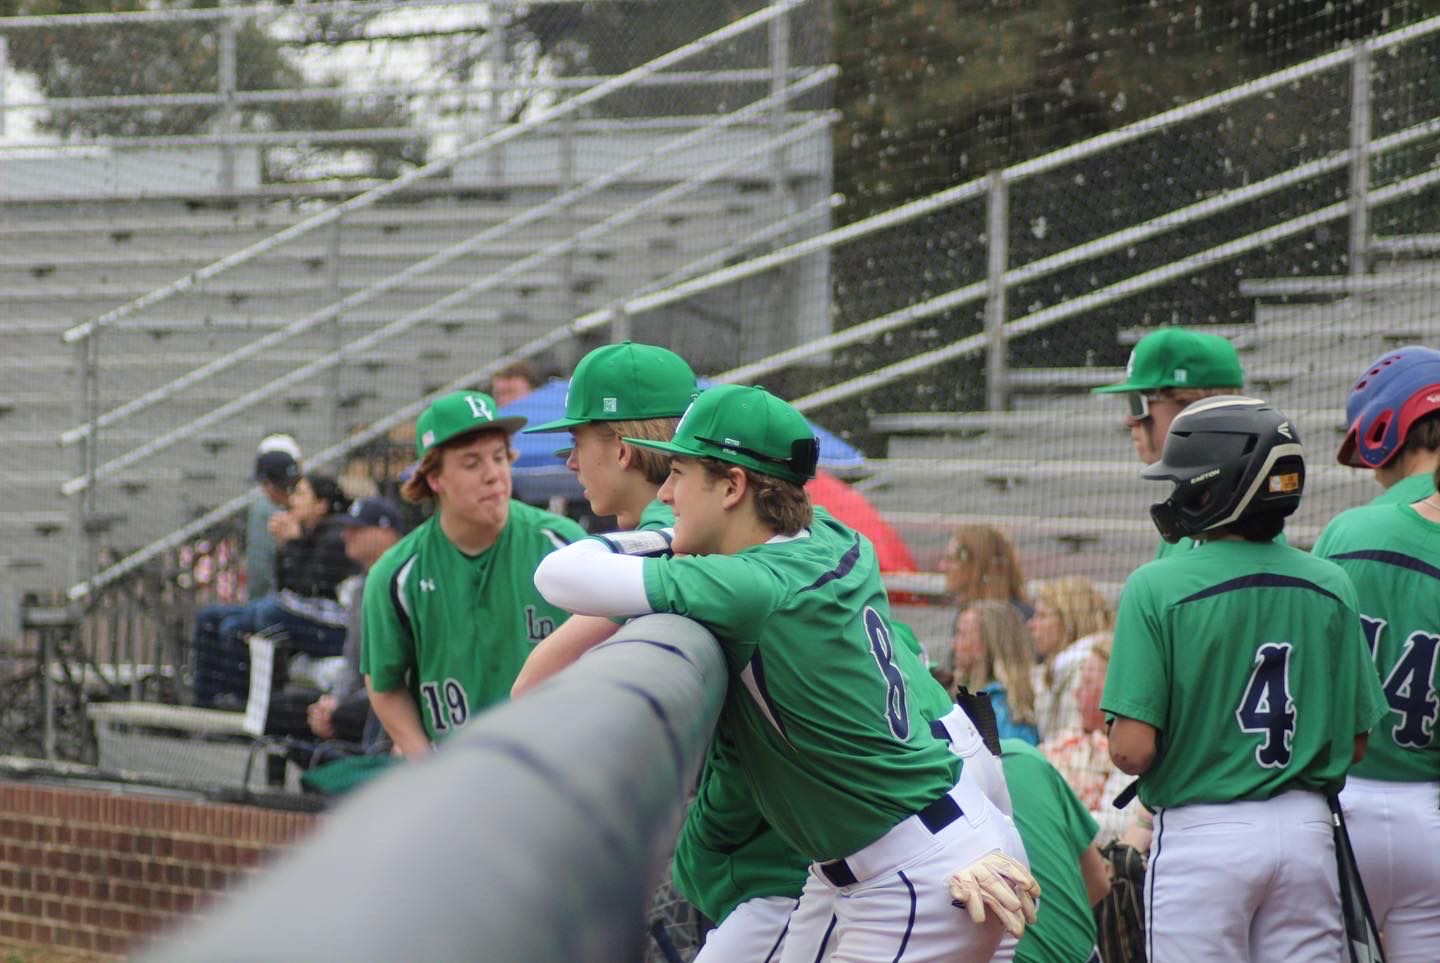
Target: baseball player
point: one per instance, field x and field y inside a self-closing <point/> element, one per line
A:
<point x="828" y="736"/>
<point x="450" y="611"/>
<point x="1059" y="835"/>
<point x="1391" y="551"/>
<point x="1168" y="370"/>
<point x="1241" y="690"/>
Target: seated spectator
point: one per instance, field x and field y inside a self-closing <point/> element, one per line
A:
<point x="993" y="655"/>
<point x="980" y="563"/>
<point x="514" y="381"/>
<point x="1082" y="754"/>
<point x="277" y="469"/>
<point x="310" y="564"/>
<point x="1069" y="613"/>
<point x="341" y="711"/>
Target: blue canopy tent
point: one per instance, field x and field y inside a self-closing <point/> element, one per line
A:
<point x="539" y="475"/>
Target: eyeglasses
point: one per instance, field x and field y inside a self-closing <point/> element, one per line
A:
<point x="1140" y="404"/>
<point x="804" y="454"/>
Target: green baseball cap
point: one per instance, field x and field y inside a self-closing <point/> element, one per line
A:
<point x="1177" y="358"/>
<point x="459" y="414"/>
<point x="749" y="427"/>
<point x="625" y="382"/>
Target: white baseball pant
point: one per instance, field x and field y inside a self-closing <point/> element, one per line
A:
<point x="1395" y="831"/>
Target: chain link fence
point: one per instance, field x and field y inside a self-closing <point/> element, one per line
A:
<point x="218" y="222"/>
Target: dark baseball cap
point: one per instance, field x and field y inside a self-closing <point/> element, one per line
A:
<point x="277" y="467"/>
<point x="374" y="511"/>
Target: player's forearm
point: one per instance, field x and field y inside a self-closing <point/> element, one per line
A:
<point x="588" y="579"/>
<point x="397" y="712"/>
<point x="1096" y="873"/>
<point x="578" y="635"/>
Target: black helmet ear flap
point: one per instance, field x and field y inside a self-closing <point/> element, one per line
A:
<point x="1167" y="521"/>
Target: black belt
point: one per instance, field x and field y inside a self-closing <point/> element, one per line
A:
<point x="934" y="817"/>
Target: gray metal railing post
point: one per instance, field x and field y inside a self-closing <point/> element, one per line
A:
<point x="226" y="83"/>
<point x="4" y="68"/>
<point x="1360" y="161"/>
<point x="997" y="245"/>
<point x="337" y="334"/>
<point x="561" y="805"/>
<point x="497" y="56"/>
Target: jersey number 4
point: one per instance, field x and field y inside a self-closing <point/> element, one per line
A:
<point x="1267" y="707"/>
<point x="1410" y="690"/>
<point x="882" y="646"/>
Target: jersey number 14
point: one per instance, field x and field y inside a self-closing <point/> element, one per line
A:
<point x="1267" y="707"/>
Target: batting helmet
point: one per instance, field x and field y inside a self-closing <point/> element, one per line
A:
<point x="1397" y="388"/>
<point x="1230" y="457"/>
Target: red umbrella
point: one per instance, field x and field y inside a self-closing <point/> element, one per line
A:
<point x="852" y="508"/>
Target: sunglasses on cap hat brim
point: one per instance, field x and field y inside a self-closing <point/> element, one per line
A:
<point x="804" y="454"/>
<point x="1139" y="404"/>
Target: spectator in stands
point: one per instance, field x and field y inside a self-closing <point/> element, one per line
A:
<point x="1060" y="839"/>
<point x="1069" y="613"/>
<point x="310" y="564"/>
<point x="277" y="468"/>
<point x="994" y="655"/>
<point x="514" y="381"/>
<point x="1082" y="754"/>
<point x="451" y="611"/>
<point x="980" y="563"/>
<point x="1169" y="370"/>
<point x="369" y="528"/>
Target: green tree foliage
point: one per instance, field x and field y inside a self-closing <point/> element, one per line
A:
<point x="183" y="57"/>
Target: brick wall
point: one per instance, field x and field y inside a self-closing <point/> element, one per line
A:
<point x="101" y="871"/>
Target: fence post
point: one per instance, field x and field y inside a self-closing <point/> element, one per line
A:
<point x="997" y="240"/>
<point x="337" y="335"/>
<point x="226" y="83"/>
<point x="1360" y="161"/>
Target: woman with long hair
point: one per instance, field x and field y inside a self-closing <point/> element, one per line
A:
<point x="993" y="654"/>
<point x="1069" y="612"/>
<point x="980" y="563"/>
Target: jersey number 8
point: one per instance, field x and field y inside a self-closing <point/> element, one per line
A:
<point x="882" y="646"/>
<point x="1267" y="707"/>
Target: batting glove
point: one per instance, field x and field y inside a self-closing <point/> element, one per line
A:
<point x="1000" y="884"/>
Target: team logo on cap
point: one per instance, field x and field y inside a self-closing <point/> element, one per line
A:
<point x="427" y="439"/>
<point x="478" y="407"/>
<point x="1182" y="375"/>
<point x="609" y="405"/>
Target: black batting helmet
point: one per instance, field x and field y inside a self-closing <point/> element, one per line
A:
<point x="1230" y="457"/>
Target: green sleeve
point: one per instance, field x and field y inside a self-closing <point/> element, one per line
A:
<point x="387" y="649"/>
<point x="729" y="594"/>
<point x="1136" y="685"/>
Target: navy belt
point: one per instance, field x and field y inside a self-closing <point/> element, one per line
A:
<point x="934" y="817"/>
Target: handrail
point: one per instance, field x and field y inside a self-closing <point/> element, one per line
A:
<point x="171" y="15"/>
<point x="1098" y="247"/>
<point x="379" y="428"/>
<point x="203" y="373"/>
<point x="1045" y="162"/>
<point x="1111" y="293"/>
<point x="485" y="143"/>
<point x="161" y="442"/>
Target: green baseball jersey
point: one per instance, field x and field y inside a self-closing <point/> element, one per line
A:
<point x="818" y="710"/>
<point x="1392" y="554"/>
<point x="454" y="628"/>
<point x="1167" y="549"/>
<point x="1406" y="491"/>
<point x="1056" y="828"/>
<point x="657" y="514"/>
<point x="1249" y="660"/>
<point x="727" y="853"/>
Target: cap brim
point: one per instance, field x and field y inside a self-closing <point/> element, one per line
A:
<point x="563" y="424"/>
<point x="1117" y="389"/>
<point x="668" y="447"/>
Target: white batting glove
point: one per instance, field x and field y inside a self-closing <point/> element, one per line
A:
<point x="1000" y="884"/>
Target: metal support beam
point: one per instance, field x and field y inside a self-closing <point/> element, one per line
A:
<point x="1360" y="161"/>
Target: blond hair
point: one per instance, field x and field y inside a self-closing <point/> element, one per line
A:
<point x="1186" y="397"/>
<point x="654" y="465"/>
<point x="1009" y="655"/>
<point x="1083" y="610"/>
<point x="994" y="567"/>
<point x="781" y="506"/>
